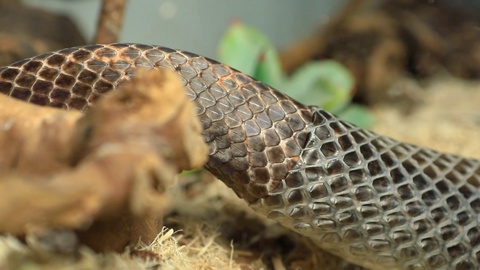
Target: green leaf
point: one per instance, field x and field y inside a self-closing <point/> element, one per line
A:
<point x="358" y="115"/>
<point x="326" y="84"/>
<point x="246" y="49"/>
<point x="269" y="69"/>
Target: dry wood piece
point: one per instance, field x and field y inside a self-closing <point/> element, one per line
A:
<point x="62" y="169"/>
<point x="382" y="41"/>
<point x="26" y="31"/>
<point x="110" y="21"/>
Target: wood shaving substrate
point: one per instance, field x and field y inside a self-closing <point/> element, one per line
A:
<point x="446" y="119"/>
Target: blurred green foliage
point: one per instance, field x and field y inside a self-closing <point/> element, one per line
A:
<point x="326" y="84"/>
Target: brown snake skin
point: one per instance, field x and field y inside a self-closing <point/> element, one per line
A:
<point x="369" y="199"/>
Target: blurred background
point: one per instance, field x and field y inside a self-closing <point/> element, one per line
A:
<point x="197" y="25"/>
<point x="386" y="48"/>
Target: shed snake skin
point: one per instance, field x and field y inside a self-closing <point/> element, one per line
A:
<point x="369" y="199"/>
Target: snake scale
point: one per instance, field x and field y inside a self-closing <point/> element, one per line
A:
<point x="367" y="198"/>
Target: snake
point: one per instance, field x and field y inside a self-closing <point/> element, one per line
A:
<point x="370" y="199"/>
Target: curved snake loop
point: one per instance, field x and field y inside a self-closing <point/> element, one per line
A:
<point x="367" y="198"/>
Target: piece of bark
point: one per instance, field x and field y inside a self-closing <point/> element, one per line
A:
<point x="62" y="169"/>
<point x="26" y="31"/>
<point x="381" y="42"/>
<point x="110" y="21"/>
<point x="304" y="50"/>
<point x="116" y="233"/>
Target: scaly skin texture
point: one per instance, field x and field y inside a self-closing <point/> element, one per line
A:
<point x="367" y="198"/>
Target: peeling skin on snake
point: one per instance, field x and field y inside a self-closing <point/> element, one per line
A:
<point x="369" y="199"/>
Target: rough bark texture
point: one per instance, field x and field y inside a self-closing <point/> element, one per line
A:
<point x="382" y="41"/>
<point x="66" y="170"/>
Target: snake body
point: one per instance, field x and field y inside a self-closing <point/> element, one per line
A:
<point x="369" y="199"/>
